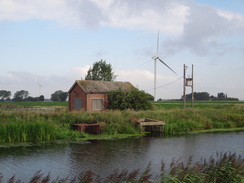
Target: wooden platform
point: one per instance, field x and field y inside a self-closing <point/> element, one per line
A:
<point x="151" y="125"/>
<point x="88" y="128"/>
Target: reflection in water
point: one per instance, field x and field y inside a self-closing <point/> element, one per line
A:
<point x="103" y="157"/>
<point x="106" y="156"/>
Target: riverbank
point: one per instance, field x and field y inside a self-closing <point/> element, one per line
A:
<point x="35" y="126"/>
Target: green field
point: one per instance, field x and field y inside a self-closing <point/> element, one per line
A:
<point x="197" y="104"/>
<point x="171" y="104"/>
<point x="34" y="104"/>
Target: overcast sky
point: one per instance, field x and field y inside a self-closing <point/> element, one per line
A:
<point x="56" y="41"/>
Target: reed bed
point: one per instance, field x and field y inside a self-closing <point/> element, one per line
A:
<point x="226" y="168"/>
<point x="26" y="126"/>
<point x="35" y="132"/>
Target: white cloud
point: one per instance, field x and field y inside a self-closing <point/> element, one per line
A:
<point x="37" y="9"/>
<point x="236" y="20"/>
<point x="15" y="81"/>
<point x="168" y="86"/>
<point x="168" y="16"/>
<point x="144" y="80"/>
<point x="206" y="31"/>
<point x="201" y="29"/>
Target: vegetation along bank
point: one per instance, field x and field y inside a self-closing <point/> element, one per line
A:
<point x="21" y="123"/>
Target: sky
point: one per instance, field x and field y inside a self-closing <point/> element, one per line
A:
<point x="46" y="45"/>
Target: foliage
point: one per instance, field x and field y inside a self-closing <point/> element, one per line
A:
<point x="222" y="96"/>
<point x="5" y="95"/>
<point x="134" y="99"/>
<point x="59" y="96"/>
<point x="20" y="95"/>
<point x="33" y="127"/>
<point x="204" y="96"/>
<point x="42" y="98"/>
<point x="198" y="96"/>
<point x="225" y="168"/>
<point x="100" y="71"/>
<point x="27" y="115"/>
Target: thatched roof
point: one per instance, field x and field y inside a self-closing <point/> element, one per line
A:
<point x="91" y="86"/>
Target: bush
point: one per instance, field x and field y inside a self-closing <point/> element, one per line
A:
<point x="134" y="99"/>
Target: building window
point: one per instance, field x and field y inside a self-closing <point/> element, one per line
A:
<point x="97" y="104"/>
<point x="77" y="103"/>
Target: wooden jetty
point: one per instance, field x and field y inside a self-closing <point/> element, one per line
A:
<point x="151" y="125"/>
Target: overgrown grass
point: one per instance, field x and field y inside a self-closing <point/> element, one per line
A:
<point x="226" y="168"/>
<point x="35" y="132"/>
<point x="33" y="126"/>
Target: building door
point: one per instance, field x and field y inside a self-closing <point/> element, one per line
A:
<point x="77" y="103"/>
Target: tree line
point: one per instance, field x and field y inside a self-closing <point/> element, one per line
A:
<point x="23" y="95"/>
<point x="207" y="97"/>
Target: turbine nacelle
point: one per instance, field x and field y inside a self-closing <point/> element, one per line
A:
<point x="155" y="57"/>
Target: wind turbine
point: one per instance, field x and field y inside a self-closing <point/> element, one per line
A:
<point x="155" y="58"/>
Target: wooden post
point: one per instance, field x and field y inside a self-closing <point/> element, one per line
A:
<point x="155" y="80"/>
<point x="184" y="86"/>
<point x="192" y="91"/>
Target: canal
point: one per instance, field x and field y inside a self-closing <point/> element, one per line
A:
<point x="103" y="157"/>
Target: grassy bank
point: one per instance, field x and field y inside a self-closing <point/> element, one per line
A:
<point x="38" y="126"/>
<point x="226" y="168"/>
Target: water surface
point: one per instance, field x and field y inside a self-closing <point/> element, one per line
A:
<point x="103" y="157"/>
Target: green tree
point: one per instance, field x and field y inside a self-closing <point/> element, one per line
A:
<point x="59" y="96"/>
<point x="221" y="96"/>
<point x="63" y="96"/>
<point x="100" y="71"/>
<point x="20" y="95"/>
<point x="5" y="95"/>
<point x="198" y="96"/>
<point x="134" y="99"/>
<point x="42" y="98"/>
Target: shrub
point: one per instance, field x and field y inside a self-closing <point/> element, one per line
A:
<point x="134" y="99"/>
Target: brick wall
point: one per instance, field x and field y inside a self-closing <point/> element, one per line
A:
<point x="77" y="92"/>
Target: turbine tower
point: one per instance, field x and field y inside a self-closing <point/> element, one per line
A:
<point x="39" y="86"/>
<point x="155" y="58"/>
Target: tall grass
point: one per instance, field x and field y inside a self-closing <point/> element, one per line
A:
<point x="24" y="132"/>
<point x="226" y="168"/>
<point x="22" y="126"/>
<point x="34" y="132"/>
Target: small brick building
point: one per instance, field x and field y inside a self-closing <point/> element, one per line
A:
<point x="89" y="95"/>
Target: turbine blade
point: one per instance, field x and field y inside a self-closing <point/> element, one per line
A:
<point x="166" y="65"/>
